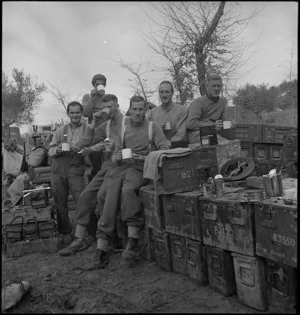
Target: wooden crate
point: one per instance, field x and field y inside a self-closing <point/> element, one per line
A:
<point x="17" y="249"/>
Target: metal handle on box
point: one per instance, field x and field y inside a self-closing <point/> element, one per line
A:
<point x="236" y="216"/>
<point x="188" y="209"/>
<point x="210" y="212"/>
<point x="267" y="217"/>
<point x="169" y="206"/>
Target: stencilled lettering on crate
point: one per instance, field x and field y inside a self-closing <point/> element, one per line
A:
<point x="228" y="225"/>
<point x="276" y="232"/>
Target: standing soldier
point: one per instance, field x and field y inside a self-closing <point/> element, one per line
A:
<point x="67" y="166"/>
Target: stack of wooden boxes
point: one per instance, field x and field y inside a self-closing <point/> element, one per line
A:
<point x="30" y="227"/>
<point x="244" y="246"/>
<point x="171" y="208"/>
<point x="267" y="146"/>
<point x="276" y="243"/>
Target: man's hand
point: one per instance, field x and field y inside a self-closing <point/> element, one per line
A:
<point x="109" y="145"/>
<point x="118" y="157"/>
<point x="138" y="157"/>
<point x="219" y="125"/>
<point x="85" y="152"/>
<point x="94" y="92"/>
<point x="58" y="151"/>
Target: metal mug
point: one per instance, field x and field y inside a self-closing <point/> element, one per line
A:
<point x="168" y="125"/>
<point x="126" y="153"/>
<point x="100" y="87"/>
<point x="227" y="124"/>
<point x="108" y="145"/>
<point x="65" y="146"/>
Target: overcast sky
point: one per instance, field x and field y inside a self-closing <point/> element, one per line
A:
<point x="66" y="43"/>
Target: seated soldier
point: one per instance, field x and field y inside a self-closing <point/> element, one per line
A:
<point x="123" y="182"/>
<point x="95" y="135"/>
<point x="207" y="110"/>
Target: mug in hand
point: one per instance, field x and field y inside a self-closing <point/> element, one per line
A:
<point x="226" y="124"/>
<point x="126" y="153"/>
<point x="168" y="125"/>
<point x="65" y="146"/>
<point x="100" y="87"/>
<point x="108" y="145"/>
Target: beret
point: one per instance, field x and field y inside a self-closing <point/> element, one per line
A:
<point x="98" y="77"/>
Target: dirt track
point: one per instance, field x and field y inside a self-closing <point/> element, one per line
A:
<point x="59" y="286"/>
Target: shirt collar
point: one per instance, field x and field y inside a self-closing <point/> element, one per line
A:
<point x="214" y="99"/>
<point x="136" y="124"/>
<point x="71" y="126"/>
<point x="167" y="108"/>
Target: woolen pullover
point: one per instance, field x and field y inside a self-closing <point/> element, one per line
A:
<point x="204" y="112"/>
<point x="137" y="138"/>
<point x="176" y="114"/>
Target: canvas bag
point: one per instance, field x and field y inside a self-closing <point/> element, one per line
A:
<point x="36" y="157"/>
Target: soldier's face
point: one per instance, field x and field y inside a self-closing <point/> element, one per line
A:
<point x="214" y="88"/>
<point x="75" y="114"/>
<point x="165" y="93"/>
<point x="137" y="111"/>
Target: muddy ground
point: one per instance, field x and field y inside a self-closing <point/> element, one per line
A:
<point x="59" y="286"/>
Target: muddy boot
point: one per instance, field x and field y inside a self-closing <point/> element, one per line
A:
<point x="131" y="251"/>
<point x="64" y="240"/>
<point x="77" y="245"/>
<point x="100" y="261"/>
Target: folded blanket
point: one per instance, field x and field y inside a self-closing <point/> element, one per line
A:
<point x="155" y="158"/>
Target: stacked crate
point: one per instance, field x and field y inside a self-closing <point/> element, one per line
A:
<point x="290" y="154"/>
<point x="267" y="146"/>
<point x="30" y="227"/>
<point x="220" y="241"/>
<point x="229" y="235"/>
<point x="276" y="243"/>
<point x="171" y="208"/>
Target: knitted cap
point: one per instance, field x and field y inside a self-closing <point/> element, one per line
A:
<point x="98" y="77"/>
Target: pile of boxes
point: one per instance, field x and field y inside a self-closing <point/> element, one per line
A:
<point x="268" y="146"/>
<point x="243" y="246"/>
<point x="31" y="226"/>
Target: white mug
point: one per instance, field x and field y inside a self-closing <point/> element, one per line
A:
<point x="100" y="87"/>
<point x="226" y="124"/>
<point x="106" y="110"/>
<point x="65" y="146"/>
<point x="126" y="153"/>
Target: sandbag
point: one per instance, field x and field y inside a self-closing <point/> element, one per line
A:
<point x="12" y="161"/>
<point x="36" y="157"/>
<point x="15" y="191"/>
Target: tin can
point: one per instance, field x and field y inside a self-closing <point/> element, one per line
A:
<point x="219" y="185"/>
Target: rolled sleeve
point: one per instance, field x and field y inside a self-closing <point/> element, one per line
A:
<point x="55" y="143"/>
<point x="181" y="126"/>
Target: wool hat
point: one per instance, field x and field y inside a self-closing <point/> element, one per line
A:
<point x="98" y="77"/>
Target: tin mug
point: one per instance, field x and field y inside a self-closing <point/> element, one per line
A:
<point x="108" y="145"/>
<point x="227" y="124"/>
<point x="126" y="153"/>
<point x="100" y="87"/>
<point x="206" y="140"/>
<point x="168" y="125"/>
<point x="65" y="146"/>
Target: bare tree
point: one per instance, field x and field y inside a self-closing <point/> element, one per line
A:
<point x="290" y="68"/>
<point x="60" y="94"/>
<point x="138" y="83"/>
<point x="197" y="38"/>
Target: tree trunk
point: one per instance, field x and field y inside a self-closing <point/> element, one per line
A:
<point x="200" y="44"/>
